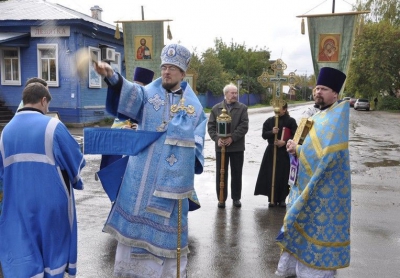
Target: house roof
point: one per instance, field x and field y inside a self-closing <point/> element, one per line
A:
<point x="42" y="10"/>
<point x="11" y="36"/>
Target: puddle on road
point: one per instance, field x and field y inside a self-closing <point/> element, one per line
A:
<point x="384" y="163"/>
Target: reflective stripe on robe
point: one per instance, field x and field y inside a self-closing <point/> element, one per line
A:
<point x="38" y="226"/>
<point x="1" y="195"/>
<point x="138" y="218"/>
<point x="316" y="227"/>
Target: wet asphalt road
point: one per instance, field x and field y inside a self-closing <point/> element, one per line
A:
<point x="234" y="242"/>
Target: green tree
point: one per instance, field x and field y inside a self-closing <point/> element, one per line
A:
<point x="375" y="62"/>
<point x="381" y="10"/>
<point x="195" y="62"/>
<point x="211" y="75"/>
<point x="218" y="66"/>
<point x="311" y="80"/>
<point x="240" y="62"/>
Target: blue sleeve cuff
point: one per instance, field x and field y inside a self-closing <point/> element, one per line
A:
<point x="113" y="79"/>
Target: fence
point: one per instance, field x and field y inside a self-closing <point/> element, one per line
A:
<point x="208" y="100"/>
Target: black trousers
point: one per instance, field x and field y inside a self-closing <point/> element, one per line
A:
<point x="235" y="160"/>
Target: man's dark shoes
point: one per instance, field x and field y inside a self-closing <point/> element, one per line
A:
<point x="282" y="204"/>
<point x="221" y="205"/>
<point x="237" y="203"/>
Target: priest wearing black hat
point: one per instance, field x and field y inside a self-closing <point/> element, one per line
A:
<point x="315" y="236"/>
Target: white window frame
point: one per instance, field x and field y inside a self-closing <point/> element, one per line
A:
<point x="94" y="79"/>
<point x="16" y="82"/>
<point x="39" y="63"/>
<point x="116" y="65"/>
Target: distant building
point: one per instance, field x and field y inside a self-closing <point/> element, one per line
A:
<point x="40" y="39"/>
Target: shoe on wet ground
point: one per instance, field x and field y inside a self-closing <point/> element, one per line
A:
<point x="282" y="204"/>
<point x="237" y="203"/>
<point x="221" y="205"/>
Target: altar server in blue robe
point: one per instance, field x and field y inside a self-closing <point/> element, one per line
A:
<point x="21" y="105"/>
<point x="40" y="166"/>
<point x="315" y="236"/>
<point x="144" y="217"/>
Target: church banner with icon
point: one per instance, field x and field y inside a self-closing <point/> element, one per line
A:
<point x="331" y="39"/>
<point x="143" y="42"/>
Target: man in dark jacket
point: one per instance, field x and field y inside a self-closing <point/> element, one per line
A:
<point x="234" y="144"/>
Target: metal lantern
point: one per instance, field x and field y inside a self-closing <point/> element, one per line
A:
<point x="224" y="125"/>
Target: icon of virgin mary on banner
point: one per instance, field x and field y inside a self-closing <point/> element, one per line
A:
<point x="331" y="39"/>
<point x="329" y="48"/>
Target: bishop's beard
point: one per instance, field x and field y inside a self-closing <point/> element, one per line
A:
<point x="169" y="86"/>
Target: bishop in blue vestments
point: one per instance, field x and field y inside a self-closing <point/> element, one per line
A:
<point x="144" y="217"/>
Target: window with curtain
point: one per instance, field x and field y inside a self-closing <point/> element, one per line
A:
<point x="48" y="63"/>
<point x="10" y="66"/>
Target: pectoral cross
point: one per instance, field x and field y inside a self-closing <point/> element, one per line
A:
<point x="189" y="109"/>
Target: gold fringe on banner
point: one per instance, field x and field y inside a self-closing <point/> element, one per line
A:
<point x="303" y="31"/>
<point x="117" y="34"/>
<point x="169" y="34"/>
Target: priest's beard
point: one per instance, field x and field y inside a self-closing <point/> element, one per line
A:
<point x="320" y="101"/>
<point x="169" y="86"/>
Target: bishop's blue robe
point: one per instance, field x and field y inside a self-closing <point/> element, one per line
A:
<point x="145" y="212"/>
<point x="40" y="166"/>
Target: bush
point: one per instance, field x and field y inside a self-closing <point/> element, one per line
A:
<point x="266" y="99"/>
<point x="389" y="103"/>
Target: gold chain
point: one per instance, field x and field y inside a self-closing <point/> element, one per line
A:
<point x="166" y="118"/>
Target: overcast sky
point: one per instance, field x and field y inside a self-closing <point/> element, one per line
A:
<point x="256" y="23"/>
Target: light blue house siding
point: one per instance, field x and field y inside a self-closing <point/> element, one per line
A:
<point x="73" y="98"/>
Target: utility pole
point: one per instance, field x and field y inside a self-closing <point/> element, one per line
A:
<point x="239" y="82"/>
<point x="248" y="80"/>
